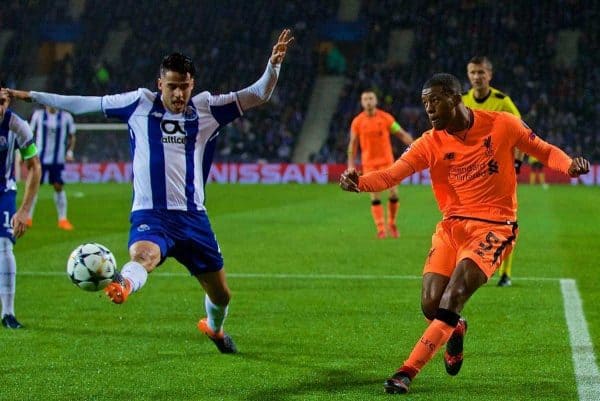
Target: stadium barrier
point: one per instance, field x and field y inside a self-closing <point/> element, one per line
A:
<point x="280" y="173"/>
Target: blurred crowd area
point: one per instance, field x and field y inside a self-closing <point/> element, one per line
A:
<point x="559" y="101"/>
<point x="230" y="42"/>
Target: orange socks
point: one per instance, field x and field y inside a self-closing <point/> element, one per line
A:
<point x="436" y="335"/>
<point x="393" y="205"/>
<point x="377" y="212"/>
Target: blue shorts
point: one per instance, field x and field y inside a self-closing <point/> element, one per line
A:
<point x="54" y="173"/>
<point x="186" y="236"/>
<point x="8" y="206"/>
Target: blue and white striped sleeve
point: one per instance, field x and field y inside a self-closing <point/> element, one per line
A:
<point x="120" y="106"/>
<point x="22" y="131"/>
<point x="223" y="108"/>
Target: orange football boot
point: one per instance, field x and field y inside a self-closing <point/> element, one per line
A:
<point x="221" y="339"/>
<point x="64" y="224"/>
<point x="119" y="289"/>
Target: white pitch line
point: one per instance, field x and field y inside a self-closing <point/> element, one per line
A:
<point x="296" y="276"/>
<point x="584" y="358"/>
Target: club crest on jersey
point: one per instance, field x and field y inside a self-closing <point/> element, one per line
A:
<point x="487" y="144"/>
<point x="190" y="114"/>
<point x="172" y="131"/>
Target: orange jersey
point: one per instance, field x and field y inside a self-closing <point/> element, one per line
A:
<point x="474" y="177"/>
<point x="373" y="133"/>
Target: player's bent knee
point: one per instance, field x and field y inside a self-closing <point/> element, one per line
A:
<point x="429" y="307"/>
<point x="146" y="254"/>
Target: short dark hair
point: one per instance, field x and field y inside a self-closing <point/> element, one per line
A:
<point x="481" y="60"/>
<point x="368" y="89"/>
<point x="449" y="83"/>
<point x="179" y="63"/>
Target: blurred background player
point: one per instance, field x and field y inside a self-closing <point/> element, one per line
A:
<point x="14" y="134"/>
<point x="370" y="130"/>
<point x="537" y="170"/>
<point x="173" y="142"/>
<point x="55" y="139"/>
<point x="482" y="96"/>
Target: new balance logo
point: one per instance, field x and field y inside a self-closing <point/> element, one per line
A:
<point x="493" y="167"/>
<point x="449" y="156"/>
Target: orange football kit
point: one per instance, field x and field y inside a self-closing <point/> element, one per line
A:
<point x="474" y="183"/>
<point x="373" y="134"/>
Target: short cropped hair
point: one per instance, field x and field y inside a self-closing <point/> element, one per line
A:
<point x="449" y="83"/>
<point x="482" y="60"/>
<point x="179" y="63"/>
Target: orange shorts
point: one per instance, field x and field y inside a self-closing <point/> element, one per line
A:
<point x="455" y="239"/>
<point x="367" y="168"/>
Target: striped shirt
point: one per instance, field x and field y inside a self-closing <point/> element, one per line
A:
<point x="172" y="153"/>
<point x="52" y="131"/>
<point x="14" y="134"/>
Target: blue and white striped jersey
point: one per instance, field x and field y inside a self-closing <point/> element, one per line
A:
<point x="52" y="131"/>
<point x="14" y="134"/>
<point x="172" y="153"/>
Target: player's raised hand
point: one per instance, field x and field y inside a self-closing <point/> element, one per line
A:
<point x="15" y="94"/>
<point x="579" y="166"/>
<point x="280" y="48"/>
<point x="349" y="180"/>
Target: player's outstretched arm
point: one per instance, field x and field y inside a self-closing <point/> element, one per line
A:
<point x="73" y="104"/>
<point x="376" y="181"/>
<point x="260" y="91"/>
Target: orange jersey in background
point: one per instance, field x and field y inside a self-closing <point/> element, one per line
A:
<point x="373" y="133"/>
<point x="474" y="177"/>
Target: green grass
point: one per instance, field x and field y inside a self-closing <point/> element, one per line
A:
<point x="301" y="337"/>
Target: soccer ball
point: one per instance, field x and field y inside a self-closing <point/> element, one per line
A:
<point x="91" y="266"/>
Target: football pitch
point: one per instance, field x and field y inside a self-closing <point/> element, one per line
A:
<point x="321" y="310"/>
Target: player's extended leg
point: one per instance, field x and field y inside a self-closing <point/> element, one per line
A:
<point x="378" y="214"/>
<point x="216" y="302"/>
<point x="393" y="205"/>
<point x="8" y="270"/>
<point x="32" y="211"/>
<point x="60" y="201"/>
<point x="145" y="256"/>
<point x="35" y="198"/>
<point x="465" y="280"/>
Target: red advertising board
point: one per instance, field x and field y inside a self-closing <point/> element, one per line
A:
<point x="280" y="173"/>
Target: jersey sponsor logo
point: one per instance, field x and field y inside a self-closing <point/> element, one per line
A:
<point x="472" y="171"/>
<point x="172" y="131"/>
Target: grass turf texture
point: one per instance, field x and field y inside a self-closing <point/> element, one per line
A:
<point x="302" y="337"/>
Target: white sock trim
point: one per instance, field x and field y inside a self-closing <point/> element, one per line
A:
<point x="215" y="314"/>
<point x="136" y="274"/>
